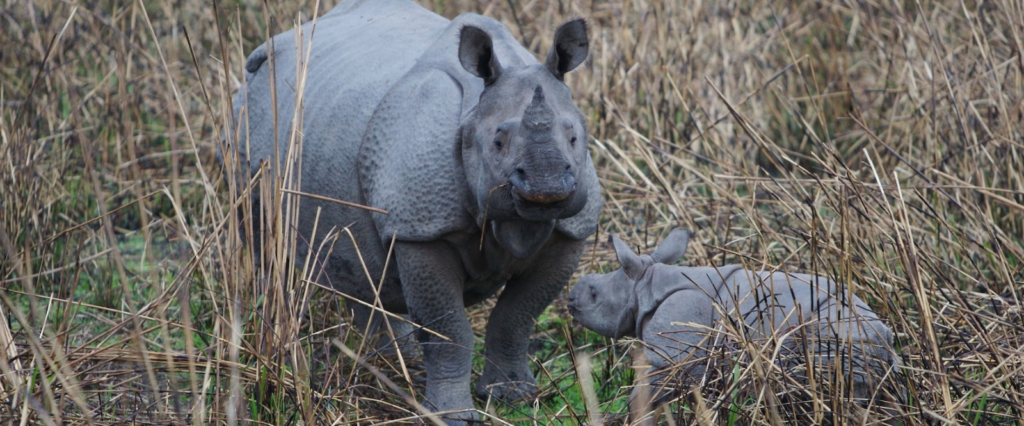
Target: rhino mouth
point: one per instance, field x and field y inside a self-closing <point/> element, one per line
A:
<point x="541" y="200"/>
<point x="544" y="198"/>
<point x="542" y="189"/>
<point x="504" y="203"/>
<point x="555" y="208"/>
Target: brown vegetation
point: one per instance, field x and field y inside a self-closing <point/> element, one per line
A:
<point x="879" y="143"/>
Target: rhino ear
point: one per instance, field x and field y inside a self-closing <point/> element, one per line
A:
<point x="630" y="261"/>
<point x="673" y="248"/>
<point x="570" y="48"/>
<point x="476" y="53"/>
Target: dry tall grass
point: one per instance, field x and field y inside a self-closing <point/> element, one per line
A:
<point x="879" y="143"/>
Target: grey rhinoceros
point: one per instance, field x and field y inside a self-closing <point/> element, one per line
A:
<point x="455" y="130"/>
<point x="676" y="310"/>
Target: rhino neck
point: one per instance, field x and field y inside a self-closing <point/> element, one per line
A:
<point x="643" y="303"/>
<point x="631" y="315"/>
<point x="522" y="238"/>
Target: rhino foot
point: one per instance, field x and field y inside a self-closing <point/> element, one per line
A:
<point x="510" y="387"/>
<point x="465" y="418"/>
<point x="449" y="408"/>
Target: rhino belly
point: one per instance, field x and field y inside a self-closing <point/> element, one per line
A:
<point x="806" y="311"/>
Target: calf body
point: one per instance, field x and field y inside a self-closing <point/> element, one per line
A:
<point x="473" y="147"/>
<point x="679" y="312"/>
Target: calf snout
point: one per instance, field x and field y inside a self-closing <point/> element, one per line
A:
<point x="573" y="308"/>
<point x="581" y="298"/>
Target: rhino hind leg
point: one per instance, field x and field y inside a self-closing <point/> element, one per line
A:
<point x="864" y="372"/>
<point x="374" y="327"/>
<point x="660" y="386"/>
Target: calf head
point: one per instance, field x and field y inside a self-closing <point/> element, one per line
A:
<point x="525" y="143"/>
<point x="609" y="303"/>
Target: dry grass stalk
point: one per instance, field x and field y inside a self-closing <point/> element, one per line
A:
<point x="879" y="144"/>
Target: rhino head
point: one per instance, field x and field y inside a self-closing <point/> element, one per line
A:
<point x="524" y="144"/>
<point x="609" y="303"/>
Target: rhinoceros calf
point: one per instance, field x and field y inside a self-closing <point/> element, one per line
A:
<point x="455" y="130"/>
<point x="675" y="310"/>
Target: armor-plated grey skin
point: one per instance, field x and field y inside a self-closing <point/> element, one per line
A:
<point x="453" y="128"/>
<point x="672" y="309"/>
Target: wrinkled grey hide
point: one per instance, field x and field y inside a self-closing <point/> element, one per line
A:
<point x="441" y="124"/>
<point x="674" y="310"/>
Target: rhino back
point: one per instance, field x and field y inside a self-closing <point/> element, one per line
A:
<point x="788" y="299"/>
<point x="360" y="50"/>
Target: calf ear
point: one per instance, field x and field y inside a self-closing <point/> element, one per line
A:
<point x="476" y="53"/>
<point x="569" y="49"/>
<point x="629" y="260"/>
<point x="673" y="248"/>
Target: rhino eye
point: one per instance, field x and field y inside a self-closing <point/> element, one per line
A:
<point x="593" y="293"/>
<point x="497" y="143"/>
<point x="572" y="141"/>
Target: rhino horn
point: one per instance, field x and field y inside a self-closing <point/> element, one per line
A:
<point x="538" y="117"/>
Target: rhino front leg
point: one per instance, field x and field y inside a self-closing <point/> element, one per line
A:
<point x="643" y="399"/>
<point x="507" y="372"/>
<point x="432" y="279"/>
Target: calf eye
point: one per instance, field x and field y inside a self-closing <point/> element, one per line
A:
<point x="572" y="141"/>
<point x="497" y="143"/>
<point x="593" y="294"/>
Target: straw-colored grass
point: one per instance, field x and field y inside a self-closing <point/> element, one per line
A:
<point x="878" y="143"/>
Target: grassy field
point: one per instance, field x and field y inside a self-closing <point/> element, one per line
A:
<point x="878" y="143"/>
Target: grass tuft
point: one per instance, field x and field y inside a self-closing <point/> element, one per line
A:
<point x="876" y="143"/>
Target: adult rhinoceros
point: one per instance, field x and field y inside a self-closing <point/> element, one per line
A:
<point x="455" y="130"/>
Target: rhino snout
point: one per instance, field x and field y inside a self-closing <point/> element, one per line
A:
<point x="572" y="307"/>
<point x="543" y="188"/>
<point x="578" y="297"/>
<point x="574" y="310"/>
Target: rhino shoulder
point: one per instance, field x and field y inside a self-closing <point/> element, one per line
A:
<point x="409" y="161"/>
<point x="678" y="327"/>
<point x="669" y="291"/>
